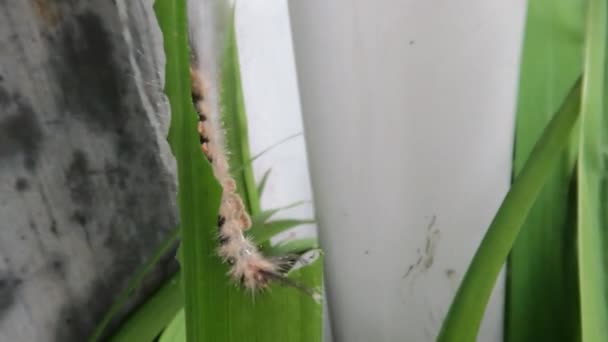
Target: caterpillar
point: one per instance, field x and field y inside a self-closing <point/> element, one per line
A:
<point x="248" y="266"/>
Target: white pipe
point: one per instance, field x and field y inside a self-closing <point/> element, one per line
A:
<point x="408" y="110"/>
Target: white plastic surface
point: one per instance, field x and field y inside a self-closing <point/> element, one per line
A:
<point x="408" y="109"/>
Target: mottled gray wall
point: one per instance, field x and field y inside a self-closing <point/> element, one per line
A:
<point x="86" y="177"/>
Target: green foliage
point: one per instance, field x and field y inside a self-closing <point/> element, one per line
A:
<point x="151" y="324"/>
<point x="592" y="180"/>
<point x="176" y="331"/>
<point x="199" y="193"/>
<point x="270" y="229"/>
<point x="542" y="284"/>
<point x="154" y="315"/>
<point x="261" y="218"/>
<point x="551" y="297"/>
<point x="262" y="185"/>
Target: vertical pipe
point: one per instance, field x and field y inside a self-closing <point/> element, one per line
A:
<point x="408" y="110"/>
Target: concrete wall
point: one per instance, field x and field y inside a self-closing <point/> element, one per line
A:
<point x="86" y="184"/>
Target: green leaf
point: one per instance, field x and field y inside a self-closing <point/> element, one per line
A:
<point x="263" y="233"/>
<point x="262" y="184"/>
<point x="262" y="217"/>
<point x="592" y="180"/>
<point x="176" y="331"/>
<point x="154" y="315"/>
<point x="199" y="193"/>
<point x="542" y="277"/>
<point x="266" y="150"/>
<point x="294" y="306"/>
<point x="465" y="314"/>
<point x="134" y="284"/>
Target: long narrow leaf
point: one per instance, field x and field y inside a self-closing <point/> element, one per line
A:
<point x="263" y="233"/>
<point x="176" y="331"/>
<point x="262" y="217"/>
<point x="266" y="150"/>
<point x="135" y="283"/>
<point x="465" y="314"/>
<point x="154" y="315"/>
<point x="542" y="278"/>
<point x="592" y="176"/>
<point x="199" y="193"/>
<point x="262" y="184"/>
<point x="303" y="310"/>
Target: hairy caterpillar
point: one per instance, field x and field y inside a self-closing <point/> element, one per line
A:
<point x="248" y="265"/>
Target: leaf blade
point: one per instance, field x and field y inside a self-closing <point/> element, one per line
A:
<point x="592" y="171"/>
<point x="198" y="192"/>
<point x="262" y="184"/>
<point x="542" y="303"/>
<point x="263" y="233"/>
<point x="152" y="317"/>
<point x="466" y="311"/>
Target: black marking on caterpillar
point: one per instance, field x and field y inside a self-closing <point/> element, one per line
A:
<point x="223" y="240"/>
<point x="196" y="97"/>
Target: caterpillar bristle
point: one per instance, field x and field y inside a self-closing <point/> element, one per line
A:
<point x="286" y="281"/>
